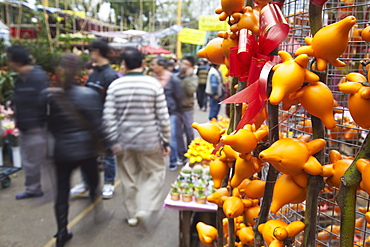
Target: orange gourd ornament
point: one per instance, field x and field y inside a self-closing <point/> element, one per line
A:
<point x="274" y="232"/>
<point x="288" y="103"/>
<point x="229" y="40"/>
<point x="218" y="170"/>
<point x="244" y="168"/>
<point x="358" y="102"/>
<point x="207" y="234"/>
<point x="244" y="140"/>
<point x="213" y="51"/>
<point x="294" y="157"/>
<point x="216" y="197"/>
<point x="251" y="213"/>
<point x="289" y="76"/>
<point x="243" y="185"/>
<point x="249" y="19"/>
<point x="233" y="206"/>
<point x="246" y="235"/>
<point x="365" y="34"/>
<point x="286" y="190"/>
<point x="367" y="217"/>
<point x="209" y="132"/>
<point x="318" y="100"/>
<point x="227" y="154"/>
<point x="228" y="7"/>
<point x="363" y="166"/>
<point x="255" y="189"/>
<point x="322" y="47"/>
<point x="336" y="169"/>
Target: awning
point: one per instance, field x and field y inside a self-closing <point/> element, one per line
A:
<point x="153" y="50"/>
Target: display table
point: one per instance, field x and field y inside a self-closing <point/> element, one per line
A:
<point x="186" y="212"/>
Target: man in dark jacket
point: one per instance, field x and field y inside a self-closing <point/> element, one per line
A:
<point x="202" y="73"/>
<point x="189" y="85"/>
<point x="31" y="124"/>
<point x="173" y="92"/>
<point x="100" y="80"/>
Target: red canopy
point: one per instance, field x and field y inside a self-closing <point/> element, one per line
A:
<point x="148" y="49"/>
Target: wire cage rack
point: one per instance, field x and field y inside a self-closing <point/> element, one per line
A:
<point x="347" y="137"/>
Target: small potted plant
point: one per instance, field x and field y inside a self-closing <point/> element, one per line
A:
<point x="186" y="171"/>
<point x="200" y="195"/>
<point x="198" y="171"/>
<point x="187" y="194"/>
<point x="175" y="193"/>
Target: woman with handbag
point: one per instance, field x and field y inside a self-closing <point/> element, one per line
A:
<point x="74" y="118"/>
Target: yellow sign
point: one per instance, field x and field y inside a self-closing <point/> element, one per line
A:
<point x="212" y="23"/>
<point x="192" y="36"/>
<point x="81" y="14"/>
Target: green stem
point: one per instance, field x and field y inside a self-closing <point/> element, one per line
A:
<point x="233" y="122"/>
<point x="346" y="196"/>
<point x="315" y="16"/>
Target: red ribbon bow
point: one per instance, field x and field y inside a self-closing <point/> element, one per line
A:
<point x="254" y="62"/>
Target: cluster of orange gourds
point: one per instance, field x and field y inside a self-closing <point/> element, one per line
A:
<point x="292" y="84"/>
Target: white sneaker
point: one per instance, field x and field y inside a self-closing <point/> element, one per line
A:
<point x="133" y="222"/>
<point x="108" y="191"/>
<point x="80" y="190"/>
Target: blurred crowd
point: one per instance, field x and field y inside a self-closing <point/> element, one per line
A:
<point x="125" y="121"/>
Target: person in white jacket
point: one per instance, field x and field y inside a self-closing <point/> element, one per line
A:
<point x="215" y="90"/>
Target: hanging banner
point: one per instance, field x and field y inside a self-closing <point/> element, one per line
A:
<point x="192" y="36"/>
<point x="212" y="23"/>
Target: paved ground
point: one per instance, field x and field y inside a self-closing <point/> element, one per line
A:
<point x="31" y="223"/>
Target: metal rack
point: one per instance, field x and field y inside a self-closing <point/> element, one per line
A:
<point x="347" y="137"/>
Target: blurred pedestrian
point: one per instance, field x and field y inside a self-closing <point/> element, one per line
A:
<point x="215" y="90"/>
<point x="135" y="113"/>
<point x="173" y="92"/>
<point x="189" y="85"/>
<point x="89" y="67"/>
<point x="202" y="73"/>
<point x="32" y="132"/>
<point x="74" y="118"/>
<point x="100" y="79"/>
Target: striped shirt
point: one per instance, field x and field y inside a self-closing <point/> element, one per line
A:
<point x="135" y="112"/>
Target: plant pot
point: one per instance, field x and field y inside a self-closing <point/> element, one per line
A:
<point x="201" y="200"/>
<point x="175" y="196"/>
<point x="187" y="198"/>
<point x="17" y="161"/>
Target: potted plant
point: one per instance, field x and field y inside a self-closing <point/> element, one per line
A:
<point x="200" y="196"/>
<point x="187" y="194"/>
<point x="200" y="193"/>
<point x="175" y="193"/>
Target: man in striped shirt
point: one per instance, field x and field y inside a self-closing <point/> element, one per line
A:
<point x="135" y="113"/>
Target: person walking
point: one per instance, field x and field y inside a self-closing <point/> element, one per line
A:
<point x="32" y="132"/>
<point x="173" y="92"/>
<point x="189" y="85"/>
<point x="74" y="119"/>
<point x="202" y="73"/>
<point x="136" y="114"/>
<point x="100" y="79"/>
<point x="215" y="90"/>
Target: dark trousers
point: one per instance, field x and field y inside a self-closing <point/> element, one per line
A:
<point x="214" y="107"/>
<point x="202" y="96"/>
<point x="63" y="174"/>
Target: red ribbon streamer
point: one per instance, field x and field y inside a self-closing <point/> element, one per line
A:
<point x="319" y="2"/>
<point x="273" y="30"/>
